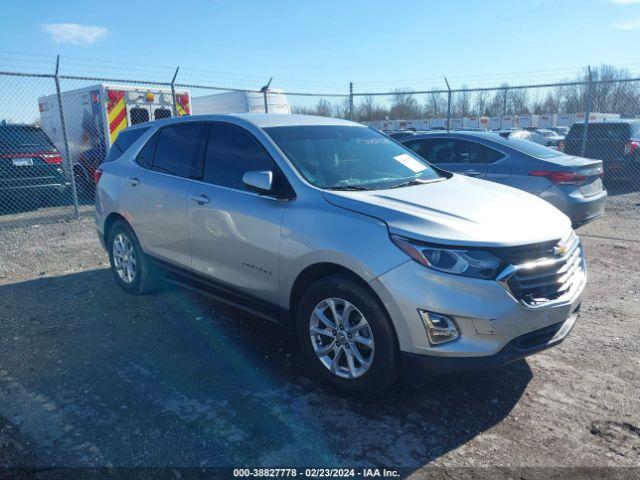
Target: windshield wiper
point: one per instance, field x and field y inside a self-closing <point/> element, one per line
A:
<point x="416" y="182"/>
<point x="353" y="188"/>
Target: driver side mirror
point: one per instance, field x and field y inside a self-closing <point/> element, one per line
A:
<point x="259" y="181"/>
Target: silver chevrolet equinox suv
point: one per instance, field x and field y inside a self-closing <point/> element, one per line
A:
<point x="381" y="263"/>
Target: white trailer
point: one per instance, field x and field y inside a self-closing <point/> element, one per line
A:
<point x="94" y="116"/>
<point x="471" y="122"/>
<point x="495" y="123"/>
<point x="455" y="123"/>
<point x="528" y="120"/>
<point x="438" y="123"/>
<point x="509" y="121"/>
<point x="547" y="120"/>
<point x="564" y="120"/>
<point x="242" y="102"/>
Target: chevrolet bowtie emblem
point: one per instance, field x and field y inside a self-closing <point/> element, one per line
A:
<point x="560" y="249"/>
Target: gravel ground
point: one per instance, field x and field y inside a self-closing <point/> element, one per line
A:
<point x="92" y="377"/>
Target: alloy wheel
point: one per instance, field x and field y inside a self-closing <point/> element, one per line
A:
<point x="124" y="258"/>
<point x="341" y="338"/>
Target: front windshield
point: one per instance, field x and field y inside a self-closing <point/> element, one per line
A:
<point x="346" y="157"/>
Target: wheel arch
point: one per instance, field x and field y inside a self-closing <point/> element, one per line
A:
<point x="319" y="270"/>
<point x="111" y="219"/>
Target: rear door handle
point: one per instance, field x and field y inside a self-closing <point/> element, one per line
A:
<point x="133" y="181"/>
<point x="201" y="199"/>
<point x="472" y="173"/>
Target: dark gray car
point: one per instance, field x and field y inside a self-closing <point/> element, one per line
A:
<point x="572" y="184"/>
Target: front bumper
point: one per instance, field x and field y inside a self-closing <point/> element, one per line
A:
<point x="487" y="316"/>
<point x="418" y="367"/>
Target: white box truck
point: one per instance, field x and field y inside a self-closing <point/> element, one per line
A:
<point x="241" y="102"/>
<point x="94" y="116"/>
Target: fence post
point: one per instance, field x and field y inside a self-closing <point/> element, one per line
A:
<point x="173" y="93"/>
<point x="448" y="103"/>
<point x="265" y="94"/>
<point x="350" y="100"/>
<point x="587" y="113"/>
<point x="65" y="139"/>
<point x="504" y="106"/>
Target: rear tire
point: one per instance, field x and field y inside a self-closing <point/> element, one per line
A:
<point x="129" y="265"/>
<point x="366" y="335"/>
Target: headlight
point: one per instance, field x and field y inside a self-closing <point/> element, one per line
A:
<point x="458" y="261"/>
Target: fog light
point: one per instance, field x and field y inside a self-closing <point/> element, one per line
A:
<point x="440" y="329"/>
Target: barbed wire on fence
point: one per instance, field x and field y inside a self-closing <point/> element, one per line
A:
<point x="605" y="92"/>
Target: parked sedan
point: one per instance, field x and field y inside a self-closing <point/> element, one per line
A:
<point x="572" y="184"/>
<point x="30" y="166"/>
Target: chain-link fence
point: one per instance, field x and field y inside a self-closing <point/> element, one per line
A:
<point x="57" y="129"/>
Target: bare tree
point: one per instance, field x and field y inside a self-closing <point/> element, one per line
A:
<point x="435" y="105"/>
<point x="366" y="109"/>
<point x="404" y="106"/>
<point x="481" y="103"/>
<point x="461" y="102"/>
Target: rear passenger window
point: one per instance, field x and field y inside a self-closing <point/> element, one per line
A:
<point x="177" y="148"/>
<point x="124" y="141"/>
<point x="438" y="151"/>
<point x="231" y="152"/>
<point x="145" y="157"/>
<point x="448" y="151"/>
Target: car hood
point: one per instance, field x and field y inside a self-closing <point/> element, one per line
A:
<point x="459" y="211"/>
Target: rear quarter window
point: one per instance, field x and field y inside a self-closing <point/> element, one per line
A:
<point x="124" y="140"/>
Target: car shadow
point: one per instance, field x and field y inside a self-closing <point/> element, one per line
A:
<point x="94" y="377"/>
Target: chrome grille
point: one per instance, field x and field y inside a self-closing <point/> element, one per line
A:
<point x="547" y="279"/>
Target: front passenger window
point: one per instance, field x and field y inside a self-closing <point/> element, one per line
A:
<point x="231" y="152"/>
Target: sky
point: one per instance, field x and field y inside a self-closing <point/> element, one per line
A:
<point x="323" y="45"/>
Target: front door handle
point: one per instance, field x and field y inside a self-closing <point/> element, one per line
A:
<point x="472" y="173"/>
<point x="201" y="199"/>
<point x="133" y="181"/>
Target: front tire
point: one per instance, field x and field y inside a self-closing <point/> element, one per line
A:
<point x="346" y="336"/>
<point x="129" y="265"/>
